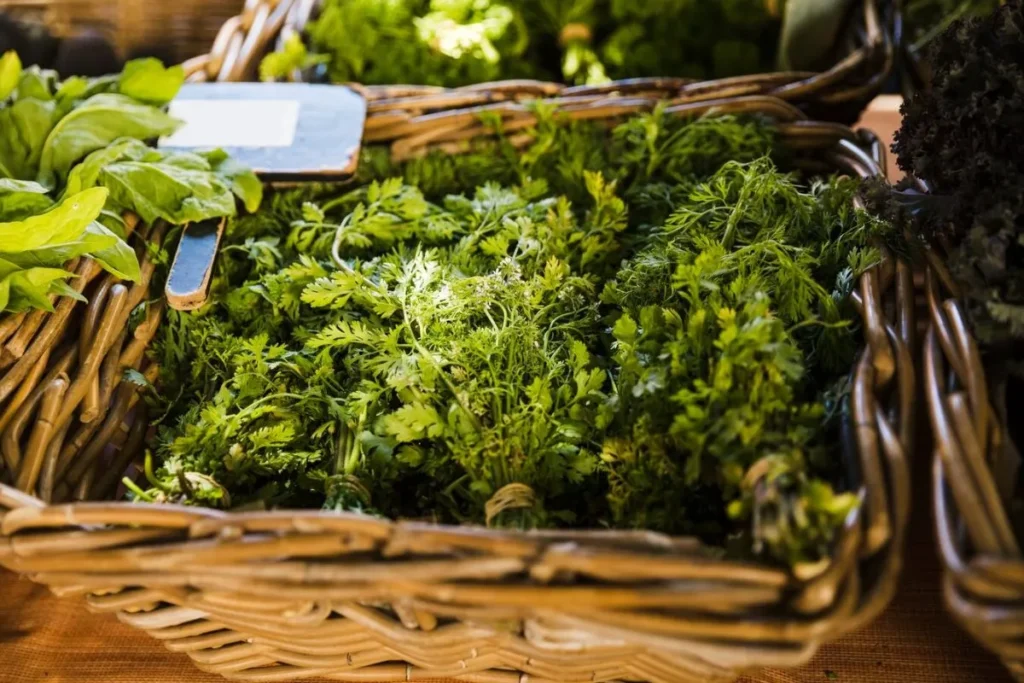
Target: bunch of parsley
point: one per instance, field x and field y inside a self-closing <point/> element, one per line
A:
<point x="642" y="328"/>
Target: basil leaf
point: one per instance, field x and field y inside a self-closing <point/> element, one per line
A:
<point x="64" y="223"/>
<point x="36" y="83"/>
<point x="87" y="173"/>
<point x="117" y="258"/>
<point x="103" y="84"/>
<point x="179" y="187"/>
<point x="242" y="181"/>
<point x="10" y="73"/>
<point x="30" y="288"/>
<point x="95" y="124"/>
<point x="161" y="190"/>
<point x="70" y="91"/>
<point x="24" y="127"/>
<point x="96" y="238"/>
<point x="22" y="198"/>
<point x="148" y="81"/>
<point x="62" y="288"/>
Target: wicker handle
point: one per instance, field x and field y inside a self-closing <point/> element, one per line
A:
<point x="242" y="42"/>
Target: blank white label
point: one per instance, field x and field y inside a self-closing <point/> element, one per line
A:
<point x="234" y="123"/>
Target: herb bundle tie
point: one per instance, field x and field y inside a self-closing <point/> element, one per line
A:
<point x="513" y="496"/>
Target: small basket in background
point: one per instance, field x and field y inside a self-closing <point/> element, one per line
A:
<point x="173" y="31"/>
<point x="864" y="50"/>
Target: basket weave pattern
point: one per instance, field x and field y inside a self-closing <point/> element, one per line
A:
<point x="858" y="76"/>
<point x="63" y="396"/>
<point x="291" y="594"/>
<point x="984" y="567"/>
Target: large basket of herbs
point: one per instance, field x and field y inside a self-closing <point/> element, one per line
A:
<point x="602" y="387"/>
<point x="959" y="135"/>
<point x="830" y="57"/>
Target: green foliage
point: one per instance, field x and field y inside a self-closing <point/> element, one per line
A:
<point x="82" y="141"/>
<point x="32" y="249"/>
<point x="458" y="42"/>
<point x="647" y="328"/>
<point x="10" y="73"/>
<point x="292" y="56"/>
<point x="46" y="126"/>
<point x="178" y="187"/>
<point x="927" y="19"/>
<point x="148" y="80"/>
<point x="724" y="318"/>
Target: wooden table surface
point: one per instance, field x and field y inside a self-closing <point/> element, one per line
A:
<point x="46" y="639"/>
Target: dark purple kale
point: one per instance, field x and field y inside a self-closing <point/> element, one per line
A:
<point x="965" y="137"/>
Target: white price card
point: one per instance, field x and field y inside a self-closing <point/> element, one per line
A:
<point x="233" y="123"/>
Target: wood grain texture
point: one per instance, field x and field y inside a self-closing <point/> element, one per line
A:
<point x="43" y="639"/>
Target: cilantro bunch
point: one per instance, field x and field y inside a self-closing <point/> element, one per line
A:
<point x="642" y="328"/>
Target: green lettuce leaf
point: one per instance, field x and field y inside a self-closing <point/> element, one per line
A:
<point x="243" y="182"/>
<point x="103" y="245"/>
<point x="179" y="187"/>
<point x="117" y="258"/>
<point x="21" y="289"/>
<point x="161" y="190"/>
<point x="22" y="198"/>
<point x="37" y="83"/>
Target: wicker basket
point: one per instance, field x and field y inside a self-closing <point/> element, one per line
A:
<point x="981" y="555"/>
<point x="840" y="93"/>
<point x="290" y="594"/>
<point x="175" y="30"/>
<point x="64" y="399"/>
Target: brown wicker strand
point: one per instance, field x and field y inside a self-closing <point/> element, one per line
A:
<point x="984" y="567"/>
